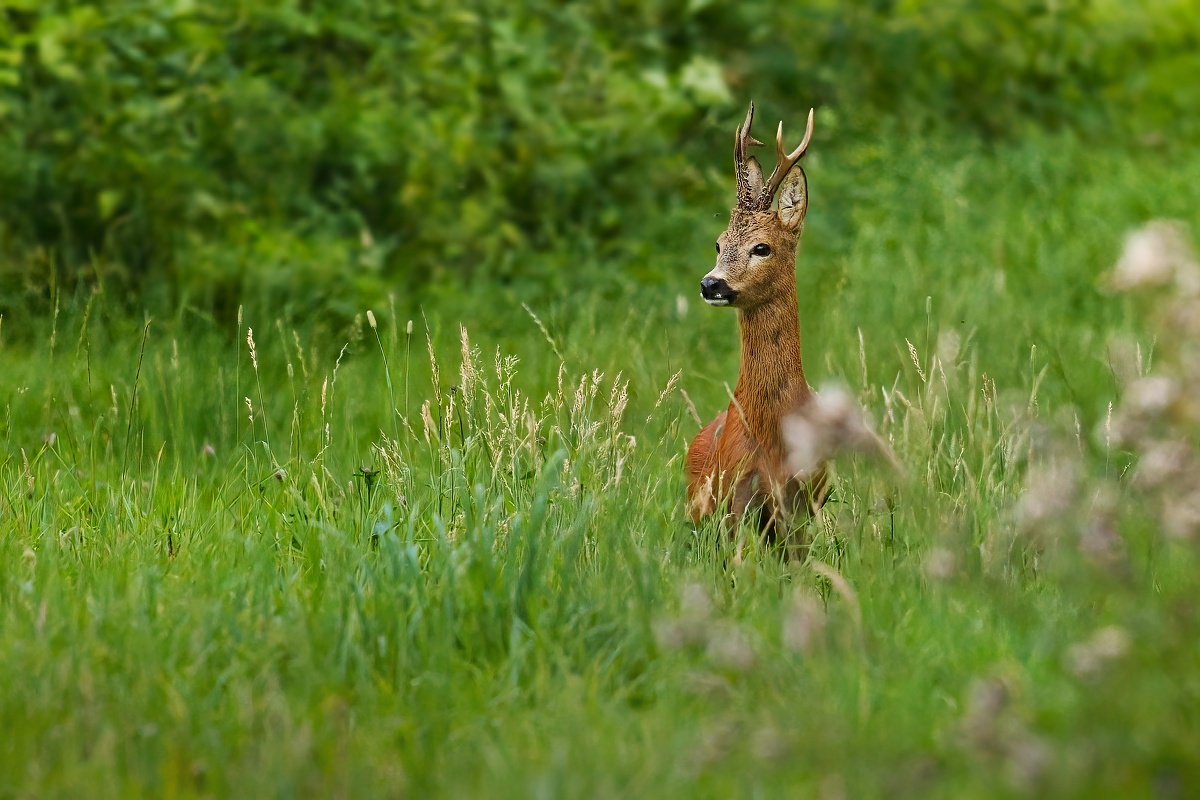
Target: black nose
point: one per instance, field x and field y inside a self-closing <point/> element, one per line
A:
<point x="715" y="289"/>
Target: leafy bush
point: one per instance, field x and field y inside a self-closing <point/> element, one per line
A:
<point x="230" y="148"/>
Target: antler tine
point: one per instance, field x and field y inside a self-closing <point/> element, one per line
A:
<point x="784" y="161"/>
<point x="746" y="168"/>
<point x="742" y="139"/>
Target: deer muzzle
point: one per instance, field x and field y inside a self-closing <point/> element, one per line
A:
<point x="716" y="291"/>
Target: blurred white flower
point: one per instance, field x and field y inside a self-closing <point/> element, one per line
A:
<point x="941" y="564"/>
<point x="694" y="624"/>
<point x="1151" y="396"/>
<point x="830" y="422"/>
<point x="948" y="346"/>
<point x="1157" y="254"/>
<point x="1050" y="492"/>
<point x="1162" y="461"/>
<point x="803" y="622"/>
<point x="729" y="649"/>
<point x="681" y="306"/>
<point x="1181" y="515"/>
<point x="1088" y="659"/>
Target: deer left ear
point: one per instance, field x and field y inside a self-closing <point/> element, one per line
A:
<point x="793" y="199"/>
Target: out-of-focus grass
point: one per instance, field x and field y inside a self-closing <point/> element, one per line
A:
<point x="374" y="562"/>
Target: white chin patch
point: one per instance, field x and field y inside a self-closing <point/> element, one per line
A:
<point x="718" y="301"/>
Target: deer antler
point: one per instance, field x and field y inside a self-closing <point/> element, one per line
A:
<point x="747" y="171"/>
<point x="784" y="162"/>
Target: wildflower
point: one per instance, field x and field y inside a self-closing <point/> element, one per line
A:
<point x="692" y="626"/>
<point x="729" y="649"/>
<point x="829" y="423"/>
<point x="1181" y="516"/>
<point x="1087" y="660"/>
<point x="1161" y="462"/>
<point x="986" y="702"/>
<point x="1151" y="396"/>
<point x="803" y="623"/>
<point x="948" y="346"/>
<point x="1050" y="489"/>
<point x="769" y="744"/>
<point x="1028" y="758"/>
<point x="1099" y="541"/>
<point x="941" y="564"/>
<point x="715" y="744"/>
<point x="681" y="306"/>
<point x="1154" y="255"/>
<point x="1125" y="359"/>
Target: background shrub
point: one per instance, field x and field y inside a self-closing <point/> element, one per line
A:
<point x="315" y="152"/>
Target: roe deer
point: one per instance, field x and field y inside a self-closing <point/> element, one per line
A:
<point x="739" y="460"/>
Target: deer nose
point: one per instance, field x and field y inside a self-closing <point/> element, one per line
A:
<point x="716" y="291"/>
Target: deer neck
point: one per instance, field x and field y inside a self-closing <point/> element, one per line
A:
<point x="771" y="380"/>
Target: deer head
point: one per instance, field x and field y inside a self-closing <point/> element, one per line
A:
<point x="756" y="255"/>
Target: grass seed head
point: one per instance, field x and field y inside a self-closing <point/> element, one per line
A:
<point x="429" y="426"/>
<point x="253" y="350"/>
<point x="468" y="373"/>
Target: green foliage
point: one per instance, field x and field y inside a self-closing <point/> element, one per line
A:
<point x="433" y="140"/>
<point x="317" y="152"/>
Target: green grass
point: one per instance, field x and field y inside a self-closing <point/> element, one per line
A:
<point x="317" y="592"/>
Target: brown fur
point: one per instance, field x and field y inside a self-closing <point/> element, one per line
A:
<point x="738" y="461"/>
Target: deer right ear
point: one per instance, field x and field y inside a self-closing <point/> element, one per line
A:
<point x="754" y="176"/>
<point x="793" y="200"/>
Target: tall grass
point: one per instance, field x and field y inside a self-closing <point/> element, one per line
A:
<point x="451" y="557"/>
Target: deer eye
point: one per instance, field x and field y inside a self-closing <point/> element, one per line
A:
<point x="761" y="250"/>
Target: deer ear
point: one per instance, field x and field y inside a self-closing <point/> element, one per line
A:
<point x="754" y="176"/>
<point x="793" y="199"/>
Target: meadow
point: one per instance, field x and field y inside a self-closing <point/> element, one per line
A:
<point x="440" y="548"/>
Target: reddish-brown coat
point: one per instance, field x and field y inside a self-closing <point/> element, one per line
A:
<point x="739" y="459"/>
<point x="738" y="462"/>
